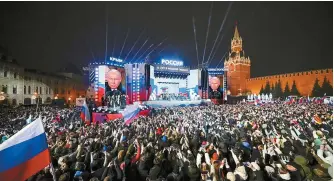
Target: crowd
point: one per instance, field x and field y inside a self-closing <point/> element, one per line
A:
<point x="172" y="97"/>
<point x="272" y="142"/>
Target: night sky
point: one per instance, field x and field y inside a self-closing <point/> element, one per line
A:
<point x="279" y="37"/>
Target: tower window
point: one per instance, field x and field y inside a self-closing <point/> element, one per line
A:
<point x="25" y="90"/>
<point x="5" y="74"/>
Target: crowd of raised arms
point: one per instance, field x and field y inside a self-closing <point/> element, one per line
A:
<point x="273" y="142"/>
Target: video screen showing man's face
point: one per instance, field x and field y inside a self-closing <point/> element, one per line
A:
<point x="214" y="83"/>
<point x="114" y="78"/>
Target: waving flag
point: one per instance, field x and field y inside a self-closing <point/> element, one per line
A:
<point x="131" y="113"/>
<point x="85" y="116"/>
<point x="316" y="119"/>
<point x="25" y="153"/>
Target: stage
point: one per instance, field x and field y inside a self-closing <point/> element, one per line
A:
<point x="162" y="103"/>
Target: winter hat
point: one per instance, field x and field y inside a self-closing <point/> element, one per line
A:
<point x="317" y="142"/>
<point x="164" y="138"/>
<point x="123" y="138"/>
<point x="246" y="145"/>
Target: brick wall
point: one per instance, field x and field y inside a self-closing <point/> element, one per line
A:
<point x="304" y="80"/>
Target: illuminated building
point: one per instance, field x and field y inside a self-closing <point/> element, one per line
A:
<point x="19" y="85"/>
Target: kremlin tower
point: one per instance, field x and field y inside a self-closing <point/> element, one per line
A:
<point x="238" y="66"/>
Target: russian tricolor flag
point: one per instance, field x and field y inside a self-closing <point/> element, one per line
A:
<point x="25" y="153"/>
<point x="131" y="113"/>
<point x="85" y="116"/>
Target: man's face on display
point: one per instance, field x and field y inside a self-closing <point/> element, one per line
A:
<point x="113" y="78"/>
<point x="214" y="83"/>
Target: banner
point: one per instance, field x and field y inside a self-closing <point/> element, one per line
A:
<point x="171" y="69"/>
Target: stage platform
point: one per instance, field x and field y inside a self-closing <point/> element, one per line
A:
<point x="162" y="103"/>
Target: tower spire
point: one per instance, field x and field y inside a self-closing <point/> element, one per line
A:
<point x="236" y="32"/>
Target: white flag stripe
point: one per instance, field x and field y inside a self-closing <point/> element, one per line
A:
<point x="30" y="131"/>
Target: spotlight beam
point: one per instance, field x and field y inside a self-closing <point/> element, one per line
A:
<point x="216" y="48"/>
<point x="106" y="51"/>
<point x="144" y="52"/>
<point x="134" y="45"/>
<point x="207" y="31"/>
<point x="126" y="37"/>
<point x="139" y="50"/>
<point x="113" y="48"/>
<point x="221" y="28"/>
<point x="221" y="60"/>
<point x="156" y="47"/>
<point x="195" y="37"/>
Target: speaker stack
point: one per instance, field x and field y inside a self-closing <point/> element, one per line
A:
<point x="203" y="83"/>
<point x="147" y="80"/>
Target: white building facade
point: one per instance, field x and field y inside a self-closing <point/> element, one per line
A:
<point x="23" y="86"/>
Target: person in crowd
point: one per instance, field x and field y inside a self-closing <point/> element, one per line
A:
<point x="243" y="142"/>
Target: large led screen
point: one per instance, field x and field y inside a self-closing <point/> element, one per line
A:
<point x="216" y="84"/>
<point x="111" y="78"/>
